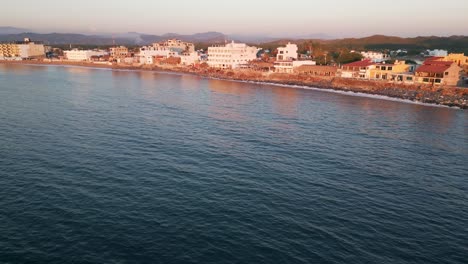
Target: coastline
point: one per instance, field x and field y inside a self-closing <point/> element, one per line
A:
<point x="417" y="93"/>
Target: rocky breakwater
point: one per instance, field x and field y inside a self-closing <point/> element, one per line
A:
<point x="441" y="95"/>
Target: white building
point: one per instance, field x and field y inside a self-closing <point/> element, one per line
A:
<point x="289" y="66"/>
<point x="287" y="53"/>
<point x="30" y="49"/>
<point x="231" y="56"/>
<point x="83" y="55"/>
<point x="437" y="53"/>
<point x="165" y="49"/>
<point x="148" y="54"/>
<point x="375" y="56"/>
<point x="190" y="58"/>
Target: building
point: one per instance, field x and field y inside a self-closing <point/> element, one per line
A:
<point x="231" y="56"/>
<point x="459" y="58"/>
<point x="9" y="51"/>
<point x="166" y="49"/>
<point x="357" y="69"/>
<point x="316" y="70"/>
<point x="375" y="56"/>
<point x="175" y="45"/>
<point x="289" y="66"/>
<point x="83" y="55"/>
<point x="118" y="52"/>
<point x="391" y="71"/>
<point x="287" y="53"/>
<point x="435" y="72"/>
<point x="189" y="59"/>
<point x="22" y="50"/>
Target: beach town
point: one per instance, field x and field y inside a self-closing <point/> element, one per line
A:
<point x="439" y="77"/>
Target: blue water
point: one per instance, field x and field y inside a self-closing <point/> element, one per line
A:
<point x="100" y="166"/>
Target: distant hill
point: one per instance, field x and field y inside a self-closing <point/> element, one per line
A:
<point x="131" y="38"/>
<point x="376" y="42"/>
<point x="12" y="30"/>
<point x="381" y="42"/>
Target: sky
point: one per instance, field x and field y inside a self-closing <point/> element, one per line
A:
<point x="338" y="18"/>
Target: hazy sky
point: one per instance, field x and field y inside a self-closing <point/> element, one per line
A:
<point x="273" y="18"/>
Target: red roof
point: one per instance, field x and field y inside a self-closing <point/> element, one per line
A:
<point x="434" y="62"/>
<point x="433" y="68"/>
<point x="363" y="63"/>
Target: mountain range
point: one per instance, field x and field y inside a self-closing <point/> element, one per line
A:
<point x="136" y="38"/>
<point x="376" y="42"/>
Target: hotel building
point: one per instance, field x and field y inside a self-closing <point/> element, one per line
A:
<point x="22" y="50"/>
<point x="231" y="56"/>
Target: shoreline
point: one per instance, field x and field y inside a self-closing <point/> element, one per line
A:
<point x="454" y="97"/>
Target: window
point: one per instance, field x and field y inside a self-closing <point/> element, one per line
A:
<point x="437" y="80"/>
<point x="446" y="73"/>
<point x="390" y="68"/>
<point x="425" y="79"/>
<point x="409" y="78"/>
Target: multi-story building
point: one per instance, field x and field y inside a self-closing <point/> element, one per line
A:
<point x="166" y="49"/>
<point x="22" y="50"/>
<point x="83" y="55"/>
<point x="190" y="58"/>
<point x="9" y="50"/>
<point x="390" y="71"/>
<point x="357" y="69"/>
<point x="375" y="56"/>
<point x="436" y="72"/>
<point x="175" y="45"/>
<point x="118" y="52"/>
<point x="287" y="53"/>
<point x="231" y="56"/>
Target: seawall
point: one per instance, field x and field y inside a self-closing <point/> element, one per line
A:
<point x="441" y="95"/>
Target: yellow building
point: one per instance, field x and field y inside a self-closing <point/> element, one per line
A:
<point x="391" y="72"/>
<point x="22" y="50"/>
<point x="118" y="52"/>
<point x="459" y="58"/>
<point x="8" y="50"/>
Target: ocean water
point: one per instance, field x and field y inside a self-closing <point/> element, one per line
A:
<point x="100" y="166"/>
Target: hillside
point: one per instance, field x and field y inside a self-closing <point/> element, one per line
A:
<point x="380" y="42"/>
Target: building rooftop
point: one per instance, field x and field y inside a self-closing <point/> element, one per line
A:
<point x="436" y="62"/>
<point x="433" y="68"/>
<point x="363" y="63"/>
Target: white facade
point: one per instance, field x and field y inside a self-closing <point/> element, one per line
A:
<point x="83" y="55"/>
<point x="166" y="49"/>
<point x="375" y="56"/>
<point x="231" y="56"/>
<point x="147" y="55"/>
<point x="190" y="58"/>
<point x="437" y="53"/>
<point x="289" y="66"/>
<point x="31" y="50"/>
<point x="287" y="53"/>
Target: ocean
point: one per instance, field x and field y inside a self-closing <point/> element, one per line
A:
<point x="101" y="166"/>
